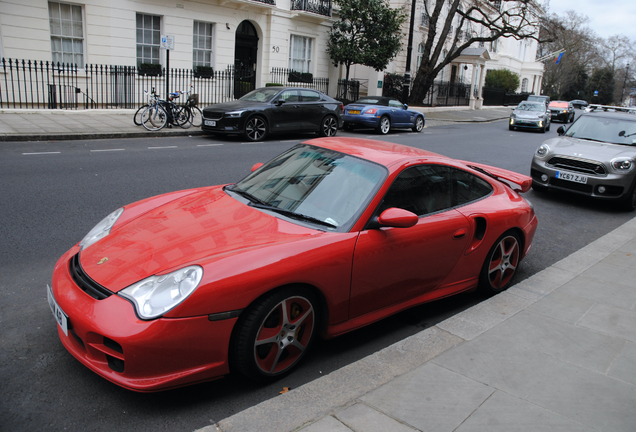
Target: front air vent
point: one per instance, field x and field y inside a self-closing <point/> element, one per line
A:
<point x="579" y="165"/>
<point x="84" y="282"/>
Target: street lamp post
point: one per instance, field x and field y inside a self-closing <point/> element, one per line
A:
<point x="407" y="73"/>
<point x="624" y="82"/>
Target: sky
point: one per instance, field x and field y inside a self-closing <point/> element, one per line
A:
<point x="607" y="17"/>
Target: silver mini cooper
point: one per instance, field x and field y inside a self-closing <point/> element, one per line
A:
<point x="595" y="156"/>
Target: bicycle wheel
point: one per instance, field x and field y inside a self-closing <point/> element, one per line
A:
<point x="137" y="116"/>
<point x="181" y="115"/>
<point x="196" y="116"/>
<point x="154" y="118"/>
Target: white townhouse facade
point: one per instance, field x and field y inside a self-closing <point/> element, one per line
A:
<point x="258" y="34"/>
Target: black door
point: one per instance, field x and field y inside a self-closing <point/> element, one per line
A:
<point x="245" y="51"/>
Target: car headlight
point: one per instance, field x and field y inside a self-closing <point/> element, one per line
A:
<point x="543" y="150"/>
<point x="102" y="229"/>
<point x="156" y="295"/>
<point x="622" y="164"/>
<point x="234" y="114"/>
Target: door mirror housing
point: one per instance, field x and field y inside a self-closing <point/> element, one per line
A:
<point x="397" y="218"/>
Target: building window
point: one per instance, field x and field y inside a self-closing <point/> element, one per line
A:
<point x="524" y="85"/>
<point x="148" y="38"/>
<point x="300" y="54"/>
<point x="67" y="33"/>
<point x="202" y="44"/>
<point x="420" y="54"/>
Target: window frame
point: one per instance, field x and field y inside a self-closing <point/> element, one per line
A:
<point x="62" y="37"/>
<point x="308" y="52"/>
<point x="196" y="39"/>
<point x="143" y="43"/>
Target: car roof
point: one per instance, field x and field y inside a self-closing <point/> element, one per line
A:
<point x="611" y="114"/>
<point x="382" y="100"/>
<point x="526" y="102"/>
<point x="381" y="152"/>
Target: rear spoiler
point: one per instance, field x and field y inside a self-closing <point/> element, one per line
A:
<point x="517" y="182"/>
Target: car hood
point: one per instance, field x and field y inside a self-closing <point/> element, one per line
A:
<point x="594" y="150"/>
<point x="527" y="114"/>
<point x="193" y="229"/>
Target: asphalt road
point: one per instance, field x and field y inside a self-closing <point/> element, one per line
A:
<point x="54" y="192"/>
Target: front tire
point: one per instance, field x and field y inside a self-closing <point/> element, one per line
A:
<point x="328" y="127"/>
<point x="385" y="125"/>
<point x="629" y="203"/>
<point x="501" y="264"/>
<point x="256" y="129"/>
<point x="419" y="124"/>
<point x="274" y="334"/>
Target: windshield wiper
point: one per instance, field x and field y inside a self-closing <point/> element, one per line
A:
<point x="584" y="138"/>
<point x="251" y="198"/>
<point x="292" y="214"/>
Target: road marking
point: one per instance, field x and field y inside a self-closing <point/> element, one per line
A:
<point x="209" y="145"/>
<point x="250" y="143"/>
<point x="159" y="148"/>
<point x="41" y="153"/>
<point x="108" y="150"/>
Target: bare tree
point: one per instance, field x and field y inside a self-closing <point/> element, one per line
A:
<point x="519" y="19"/>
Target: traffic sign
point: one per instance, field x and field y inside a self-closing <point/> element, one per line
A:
<point x="167" y="42"/>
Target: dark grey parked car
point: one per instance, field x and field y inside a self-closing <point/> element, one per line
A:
<point x="530" y="115"/>
<point x="275" y="110"/>
<point x="595" y="156"/>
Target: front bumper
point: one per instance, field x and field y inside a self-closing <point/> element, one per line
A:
<point x="609" y="186"/>
<point x="223" y="126"/>
<point x="560" y="116"/>
<point x="145" y="356"/>
<point x="527" y="124"/>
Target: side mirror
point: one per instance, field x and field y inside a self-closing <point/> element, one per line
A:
<point x="397" y="218"/>
<point x="561" y="131"/>
<point x="279" y="102"/>
<point x="260" y="164"/>
<point x="406" y="106"/>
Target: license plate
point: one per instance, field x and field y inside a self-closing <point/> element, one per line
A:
<point x="354" y="111"/>
<point x="210" y="122"/>
<point x="58" y="313"/>
<point x="571" y="177"/>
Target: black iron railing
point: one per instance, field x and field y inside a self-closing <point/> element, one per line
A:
<point x="495" y="96"/>
<point x="293" y="78"/>
<point x="46" y="85"/>
<point x="320" y="7"/>
<point x="448" y="94"/>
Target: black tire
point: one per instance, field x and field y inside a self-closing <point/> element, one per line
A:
<point x="154" y="118"/>
<point x="274" y="334"/>
<point x="196" y="116"/>
<point x="384" y="126"/>
<point x="629" y="203"/>
<point x="137" y="116"/>
<point x="543" y="129"/>
<point x="548" y="128"/>
<point x="348" y="127"/>
<point x="419" y="124"/>
<point x="328" y="126"/>
<point x="181" y="115"/>
<point x="256" y="129"/>
<point x="501" y="264"/>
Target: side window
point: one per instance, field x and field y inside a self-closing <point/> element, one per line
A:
<point x="289" y="96"/>
<point x="395" y="104"/>
<point x="425" y="189"/>
<point x="309" y="96"/>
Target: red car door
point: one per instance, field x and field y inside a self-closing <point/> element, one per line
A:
<point x="391" y="265"/>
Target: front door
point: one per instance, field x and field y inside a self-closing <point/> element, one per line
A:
<point x="245" y="56"/>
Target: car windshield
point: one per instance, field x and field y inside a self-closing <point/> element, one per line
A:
<point x="261" y="95"/>
<point x="530" y="107"/>
<point x="322" y="184"/>
<point x="605" y="129"/>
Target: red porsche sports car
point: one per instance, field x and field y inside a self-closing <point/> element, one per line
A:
<point x="331" y="235"/>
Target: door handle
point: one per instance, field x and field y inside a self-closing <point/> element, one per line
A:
<point x="460" y="233"/>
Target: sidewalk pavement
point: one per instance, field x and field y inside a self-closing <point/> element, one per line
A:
<point x="58" y="125"/>
<point x="555" y="352"/>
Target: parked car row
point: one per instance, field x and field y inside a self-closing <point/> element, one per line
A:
<point x="272" y="110"/>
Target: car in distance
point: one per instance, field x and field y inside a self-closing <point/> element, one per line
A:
<point x="539" y="98"/>
<point x="382" y="114"/>
<point x="561" y="111"/>
<point x="275" y="110"/>
<point x="530" y="115"/>
<point x="578" y="103"/>
<point x="331" y="235"/>
<point x="595" y="156"/>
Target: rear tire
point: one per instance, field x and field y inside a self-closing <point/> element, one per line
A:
<point x="501" y="264"/>
<point x="419" y="124"/>
<point x="328" y="127"/>
<point x="196" y="116"/>
<point x="154" y="118"/>
<point x="384" y="126"/>
<point x="274" y="334"/>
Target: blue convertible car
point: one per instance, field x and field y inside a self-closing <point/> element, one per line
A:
<point x="382" y="114"/>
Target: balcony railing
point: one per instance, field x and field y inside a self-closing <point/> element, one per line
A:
<point x="320" y="7"/>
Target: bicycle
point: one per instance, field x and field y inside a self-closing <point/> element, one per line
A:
<point x="196" y="116"/>
<point x="161" y="112"/>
